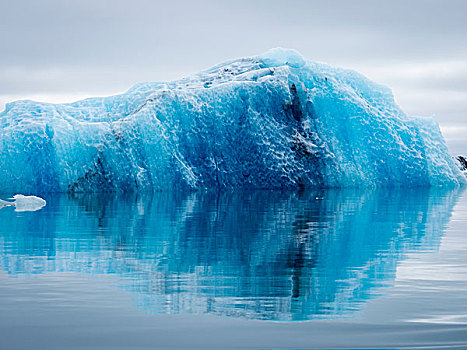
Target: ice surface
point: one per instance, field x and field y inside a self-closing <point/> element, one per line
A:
<point x="271" y="121"/>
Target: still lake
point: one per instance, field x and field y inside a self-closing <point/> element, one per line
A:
<point x="259" y="269"/>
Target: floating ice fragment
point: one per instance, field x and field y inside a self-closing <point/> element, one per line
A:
<point x="24" y="203"/>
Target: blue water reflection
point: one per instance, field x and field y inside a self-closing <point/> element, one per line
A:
<point x="262" y="254"/>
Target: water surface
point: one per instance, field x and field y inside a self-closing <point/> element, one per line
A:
<point x="390" y="259"/>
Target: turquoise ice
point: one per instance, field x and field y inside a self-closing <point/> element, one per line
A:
<point x="271" y="121"/>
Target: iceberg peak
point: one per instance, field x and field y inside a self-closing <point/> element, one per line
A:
<point x="280" y="56"/>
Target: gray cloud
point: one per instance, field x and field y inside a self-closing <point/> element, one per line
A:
<point x="65" y="49"/>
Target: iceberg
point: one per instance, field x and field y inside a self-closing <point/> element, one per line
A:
<point x="275" y="120"/>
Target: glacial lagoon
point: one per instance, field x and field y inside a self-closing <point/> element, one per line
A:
<point x="385" y="268"/>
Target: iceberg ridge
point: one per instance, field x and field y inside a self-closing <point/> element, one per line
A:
<point x="270" y="121"/>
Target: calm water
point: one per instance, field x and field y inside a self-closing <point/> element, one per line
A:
<point x="383" y="268"/>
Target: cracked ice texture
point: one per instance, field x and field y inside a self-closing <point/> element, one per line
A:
<point x="271" y="121"/>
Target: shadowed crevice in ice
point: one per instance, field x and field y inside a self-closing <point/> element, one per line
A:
<point x="462" y="163"/>
<point x="271" y="121"/>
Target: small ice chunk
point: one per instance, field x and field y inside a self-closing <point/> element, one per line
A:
<point x="24" y="203"/>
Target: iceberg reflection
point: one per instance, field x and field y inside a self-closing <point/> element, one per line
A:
<point x="262" y="254"/>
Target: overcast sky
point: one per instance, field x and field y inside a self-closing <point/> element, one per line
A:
<point x="60" y="51"/>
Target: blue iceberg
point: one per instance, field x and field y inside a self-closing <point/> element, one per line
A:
<point x="271" y="121"/>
